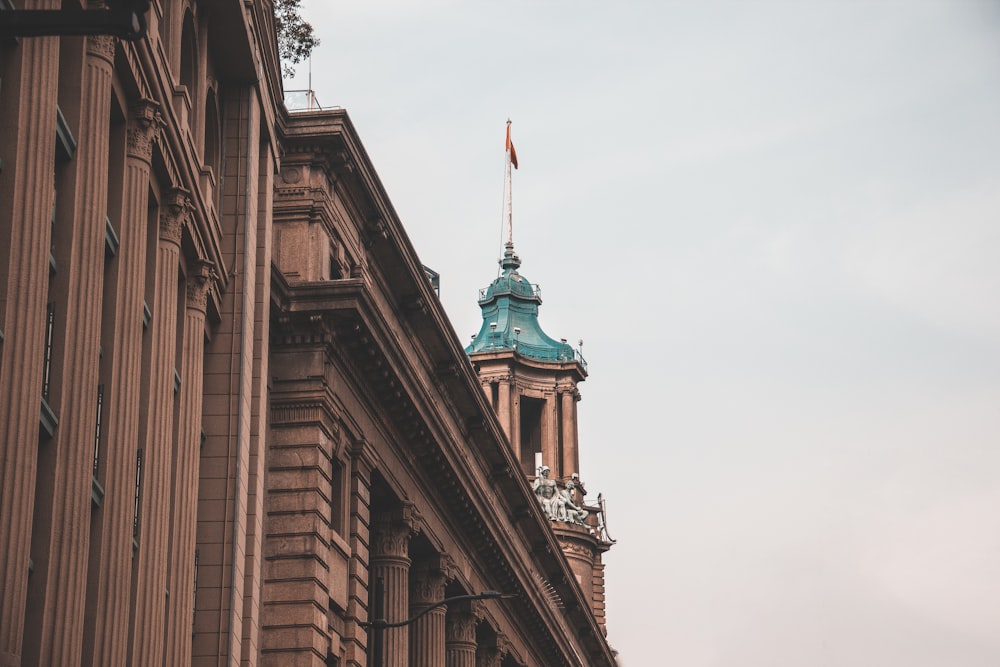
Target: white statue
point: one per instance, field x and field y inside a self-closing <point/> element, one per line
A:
<point x="568" y="510"/>
<point x="547" y="492"/>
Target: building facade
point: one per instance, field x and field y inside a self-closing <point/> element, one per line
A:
<point x="230" y="401"/>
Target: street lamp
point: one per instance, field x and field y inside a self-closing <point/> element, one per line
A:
<point x="379" y="623"/>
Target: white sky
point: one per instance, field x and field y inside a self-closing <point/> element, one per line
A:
<point x="776" y="226"/>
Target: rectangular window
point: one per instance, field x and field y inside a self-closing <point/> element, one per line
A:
<point x="195" y="599"/>
<point x="50" y="322"/>
<point x="138" y="495"/>
<point x="97" y="427"/>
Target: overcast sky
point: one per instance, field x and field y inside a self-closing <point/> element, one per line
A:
<point x="776" y="226"/>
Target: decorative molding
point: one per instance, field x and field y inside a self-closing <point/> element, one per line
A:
<point x="138" y="76"/>
<point x="364" y="456"/>
<point x="577" y="549"/>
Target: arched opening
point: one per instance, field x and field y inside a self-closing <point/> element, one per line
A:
<point x="189" y="54"/>
<point x="213" y="152"/>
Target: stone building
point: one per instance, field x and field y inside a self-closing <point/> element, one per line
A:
<point x="230" y="400"/>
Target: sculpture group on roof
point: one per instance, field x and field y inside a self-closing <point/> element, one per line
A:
<point x="558" y="504"/>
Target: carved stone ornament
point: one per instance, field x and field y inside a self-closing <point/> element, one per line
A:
<point x="143" y="130"/>
<point x="461" y="622"/>
<point x="200" y="279"/>
<point x="430" y="579"/>
<point x="102" y="46"/>
<point x="492" y="655"/>
<point x="578" y="550"/>
<point x="428" y="587"/>
<point x="391" y="540"/>
<point x="174" y="215"/>
<point x="291" y="175"/>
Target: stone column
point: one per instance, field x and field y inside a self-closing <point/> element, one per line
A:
<point x="390" y="561"/>
<point x="122" y="408"/>
<point x="460" y="634"/>
<point x="570" y="451"/>
<point x="30" y="209"/>
<point x="59" y="635"/>
<point x="550" y="437"/>
<point x="184" y="505"/>
<point x="427" y="634"/>
<point x="151" y="586"/>
<point x="503" y="408"/>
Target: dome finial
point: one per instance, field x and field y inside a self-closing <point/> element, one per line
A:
<point x="510" y="261"/>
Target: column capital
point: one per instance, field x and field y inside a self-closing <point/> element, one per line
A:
<point x="102" y="46"/>
<point x="492" y="654"/>
<point x="391" y="533"/>
<point x="429" y="579"/>
<point x="462" y="619"/>
<point x="201" y="277"/>
<point x="174" y="215"/>
<point x="143" y="129"/>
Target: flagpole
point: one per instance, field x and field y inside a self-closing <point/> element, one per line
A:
<point x="508" y="213"/>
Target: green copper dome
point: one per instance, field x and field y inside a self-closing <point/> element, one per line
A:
<point x="510" y="317"/>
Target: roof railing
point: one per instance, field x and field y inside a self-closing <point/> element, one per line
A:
<point x="300" y="101"/>
<point x="536" y="290"/>
<point x="497" y="341"/>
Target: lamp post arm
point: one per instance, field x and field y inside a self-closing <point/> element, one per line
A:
<point x="485" y="595"/>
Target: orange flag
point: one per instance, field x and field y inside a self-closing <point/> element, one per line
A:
<point x="510" y="149"/>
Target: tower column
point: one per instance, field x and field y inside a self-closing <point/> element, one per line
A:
<point x="460" y="635"/>
<point x="570" y="451"/>
<point x="550" y="442"/>
<point x="427" y="634"/>
<point x="390" y="561"/>
<point x="504" y="412"/>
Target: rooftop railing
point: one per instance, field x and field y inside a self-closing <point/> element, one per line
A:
<point x="496" y="341"/>
<point x="536" y="291"/>
<point x="302" y="100"/>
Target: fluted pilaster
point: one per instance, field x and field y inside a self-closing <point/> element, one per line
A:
<point x="427" y="634"/>
<point x="122" y="407"/>
<point x="151" y="586"/>
<point x="460" y="635"/>
<point x="64" y="596"/>
<point x="20" y="371"/>
<point x="184" y="517"/>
